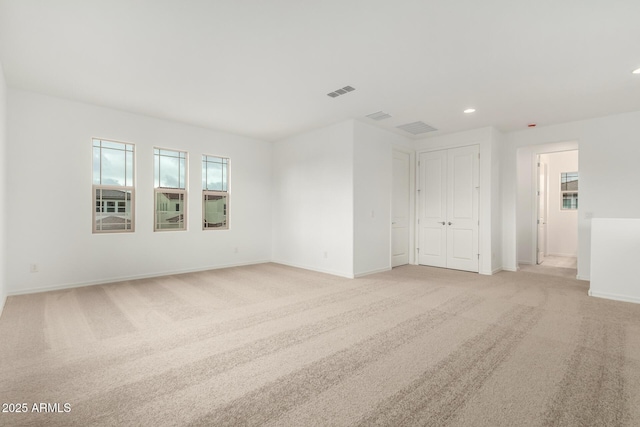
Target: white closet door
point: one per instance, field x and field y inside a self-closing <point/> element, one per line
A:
<point x="433" y="209"/>
<point x="448" y="208"/>
<point x="462" y="208"/>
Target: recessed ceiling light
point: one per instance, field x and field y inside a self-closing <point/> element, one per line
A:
<point x="470" y="110"/>
<point x="636" y="71"/>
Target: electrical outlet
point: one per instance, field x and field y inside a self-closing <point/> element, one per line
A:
<point x="235" y="250"/>
<point x="326" y="254"/>
<point x="33" y="268"/>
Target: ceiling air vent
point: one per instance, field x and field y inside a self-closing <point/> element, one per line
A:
<point x="417" y="128"/>
<point x="336" y="93"/>
<point x="380" y="115"/>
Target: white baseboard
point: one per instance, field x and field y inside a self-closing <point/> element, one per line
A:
<point x="497" y="270"/>
<point x="615" y="297"/>
<point x="526" y="262"/>
<point x="585" y="278"/>
<point x="319" y="270"/>
<point x="367" y="273"/>
<point x="127" y="278"/>
<point x="563" y="255"/>
<point x="513" y="269"/>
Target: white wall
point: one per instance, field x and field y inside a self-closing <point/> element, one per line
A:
<point x="609" y="152"/>
<point x="372" y="181"/>
<point x="497" y="149"/>
<point x="319" y="200"/>
<point x="489" y="142"/>
<point x="313" y="200"/>
<point x="614" y="257"/>
<point x="50" y="169"/>
<point x="3" y="190"/>
<point x="562" y="224"/>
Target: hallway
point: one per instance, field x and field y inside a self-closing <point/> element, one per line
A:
<point x="554" y="266"/>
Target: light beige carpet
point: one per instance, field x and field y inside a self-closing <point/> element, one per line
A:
<point x="273" y="345"/>
<point x="560" y="261"/>
<point x="566" y="272"/>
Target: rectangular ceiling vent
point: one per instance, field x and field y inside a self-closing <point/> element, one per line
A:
<point x="380" y="115"/>
<point x="417" y="128"/>
<point x="336" y="93"/>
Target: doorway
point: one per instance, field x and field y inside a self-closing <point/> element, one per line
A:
<point x="527" y="208"/>
<point x="558" y="202"/>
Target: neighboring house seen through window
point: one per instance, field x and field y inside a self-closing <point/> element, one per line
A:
<point x="569" y="190"/>
<point x="215" y="193"/>
<point x="170" y="172"/>
<point x="113" y="186"/>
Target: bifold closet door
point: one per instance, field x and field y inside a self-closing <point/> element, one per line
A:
<point x="448" y="208"/>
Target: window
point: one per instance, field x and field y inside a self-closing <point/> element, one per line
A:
<point x="113" y="185"/>
<point x="569" y="190"/>
<point x="215" y="193"/>
<point x="170" y="172"/>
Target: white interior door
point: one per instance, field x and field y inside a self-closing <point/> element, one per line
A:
<point x="448" y="208"/>
<point x="542" y="212"/>
<point x="400" y="209"/>
<point x="462" y="208"/>
<point x="432" y="209"/>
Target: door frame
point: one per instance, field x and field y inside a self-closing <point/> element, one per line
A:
<point x="536" y="150"/>
<point x="412" y="204"/>
<point x="545" y="194"/>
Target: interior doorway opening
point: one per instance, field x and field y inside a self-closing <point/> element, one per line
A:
<point x="548" y="208"/>
<point x="558" y="201"/>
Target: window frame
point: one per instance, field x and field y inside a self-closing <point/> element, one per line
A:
<point x="164" y="190"/>
<point x="170" y="190"/>
<point x="563" y="192"/>
<point x="124" y="188"/>
<point x="226" y="194"/>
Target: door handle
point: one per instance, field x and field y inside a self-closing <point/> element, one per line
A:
<point x="450" y="222"/>
<point x="393" y="223"/>
<point x="442" y="223"/>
